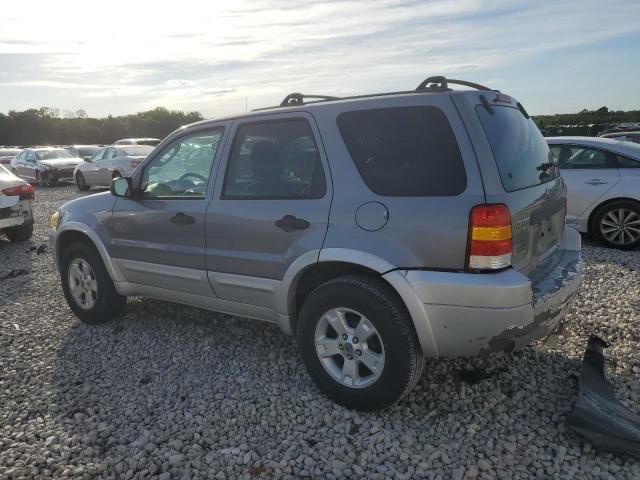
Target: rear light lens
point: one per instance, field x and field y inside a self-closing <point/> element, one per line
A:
<point x="26" y="192"/>
<point x="490" y="245"/>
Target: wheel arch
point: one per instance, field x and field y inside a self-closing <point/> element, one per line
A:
<point x="334" y="263"/>
<point x="78" y="232"/>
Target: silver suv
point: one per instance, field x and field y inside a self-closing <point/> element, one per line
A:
<point x="378" y="230"/>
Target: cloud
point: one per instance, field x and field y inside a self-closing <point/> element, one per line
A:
<point x="264" y="49"/>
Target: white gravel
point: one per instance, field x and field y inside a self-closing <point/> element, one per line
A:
<point x="175" y="392"/>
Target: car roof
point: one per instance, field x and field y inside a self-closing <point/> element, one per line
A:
<point x="375" y="99"/>
<point x="619" y="146"/>
<point x="620" y="134"/>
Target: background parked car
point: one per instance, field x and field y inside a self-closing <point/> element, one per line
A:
<point x="109" y="163"/>
<point x="7" y="154"/>
<point x="603" y="178"/>
<point x="83" y="151"/>
<point x="45" y="165"/>
<point x="630" y="136"/>
<point x="16" y="217"/>
<point x="138" y="141"/>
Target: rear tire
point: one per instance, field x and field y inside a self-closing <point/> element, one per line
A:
<point x="390" y="337"/>
<point x="93" y="298"/>
<point x="82" y="184"/>
<point x="617" y="225"/>
<point x="20" y="233"/>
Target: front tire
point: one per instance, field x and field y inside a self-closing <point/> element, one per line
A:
<point x="41" y="180"/>
<point x="87" y="286"/>
<point x="358" y="343"/>
<point x="82" y="184"/>
<point x="617" y="225"/>
<point x="20" y="233"/>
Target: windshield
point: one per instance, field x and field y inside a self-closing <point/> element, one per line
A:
<point x="135" y="150"/>
<point x="520" y="150"/>
<point x="53" y="154"/>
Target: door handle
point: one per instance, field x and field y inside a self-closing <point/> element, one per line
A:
<point x="182" y="220"/>
<point x="596" y="181"/>
<point x="290" y="223"/>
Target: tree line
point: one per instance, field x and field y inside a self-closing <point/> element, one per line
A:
<point x="585" y="122"/>
<point x="49" y="126"/>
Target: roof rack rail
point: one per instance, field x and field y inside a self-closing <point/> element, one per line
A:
<point x="294" y="99"/>
<point x="442" y="83"/>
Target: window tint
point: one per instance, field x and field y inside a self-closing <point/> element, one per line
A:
<point x="183" y="169"/>
<point x="573" y="157"/>
<point x="409" y="151"/>
<point x="274" y="160"/>
<point x="626" y="162"/>
<point x="521" y="152"/>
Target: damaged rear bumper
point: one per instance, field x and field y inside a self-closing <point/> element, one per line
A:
<point x="476" y="314"/>
<point x="597" y="415"/>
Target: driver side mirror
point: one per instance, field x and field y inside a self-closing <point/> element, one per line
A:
<point x="122" y="187"/>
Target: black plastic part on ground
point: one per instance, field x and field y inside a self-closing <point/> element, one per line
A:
<point x="597" y="414"/>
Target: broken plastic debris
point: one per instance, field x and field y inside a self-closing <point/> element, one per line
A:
<point x="597" y="415"/>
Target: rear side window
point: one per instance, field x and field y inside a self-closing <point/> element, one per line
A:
<point x="407" y="151"/>
<point x="520" y="150"/>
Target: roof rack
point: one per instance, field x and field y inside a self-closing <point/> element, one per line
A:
<point x="431" y="84"/>
<point x="442" y="83"/>
<point x="294" y="99"/>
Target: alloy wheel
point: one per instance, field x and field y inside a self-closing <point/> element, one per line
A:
<point x="82" y="283"/>
<point x="349" y="348"/>
<point x="621" y="226"/>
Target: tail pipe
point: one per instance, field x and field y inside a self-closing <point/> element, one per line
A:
<point x="597" y="415"/>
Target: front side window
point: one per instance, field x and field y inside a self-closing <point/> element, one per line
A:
<point x="627" y="162"/>
<point x="274" y="160"/>
<point x="407" y="151"/>
<point x="98" y="155"/>
<point x="183" y="169"/>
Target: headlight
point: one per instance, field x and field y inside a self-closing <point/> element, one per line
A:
<point x="53" y="223"/>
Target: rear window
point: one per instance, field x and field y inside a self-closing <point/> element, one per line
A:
<point x="408" y="151"/>
<point x="520" y="150"/>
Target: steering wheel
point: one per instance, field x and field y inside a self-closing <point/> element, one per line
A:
<point x="192" y="174"/>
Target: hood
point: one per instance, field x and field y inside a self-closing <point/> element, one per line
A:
<point x="61" y="162"/>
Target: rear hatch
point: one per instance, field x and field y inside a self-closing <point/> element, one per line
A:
<point x="523" y="175"/>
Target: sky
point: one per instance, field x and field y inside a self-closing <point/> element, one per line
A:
<point x="221" y="57"/>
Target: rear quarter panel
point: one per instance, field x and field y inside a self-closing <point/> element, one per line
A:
<point x="421" y="232"/>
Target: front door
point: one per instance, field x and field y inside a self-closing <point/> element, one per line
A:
<point x="588" y="172"/>
<point x="90" y="169"/>
<point x="271" y="206"/>
<point x="158" y="237"/>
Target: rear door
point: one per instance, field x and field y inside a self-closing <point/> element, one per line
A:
<point x="519" y="171"/>
<point x="271" y="205"/>
<point x="589" y="173"/>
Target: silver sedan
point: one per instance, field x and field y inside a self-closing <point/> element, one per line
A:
<point x="109" y="163"/>
<point x="603" y="181"/>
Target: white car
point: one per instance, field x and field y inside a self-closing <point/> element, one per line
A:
<point x="603" y="182"/>
<point x="109" y="163"/>
<point x="16" y="216"/>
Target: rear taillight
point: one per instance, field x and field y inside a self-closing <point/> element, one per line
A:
<point x="25" y="191"/>
<point x="490" y="245"/>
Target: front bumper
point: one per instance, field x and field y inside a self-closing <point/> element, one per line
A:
<point x="59" y="175"/>
<point x="476" y="314"/>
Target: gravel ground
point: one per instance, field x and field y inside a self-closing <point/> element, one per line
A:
<point x="175" y="392"/>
